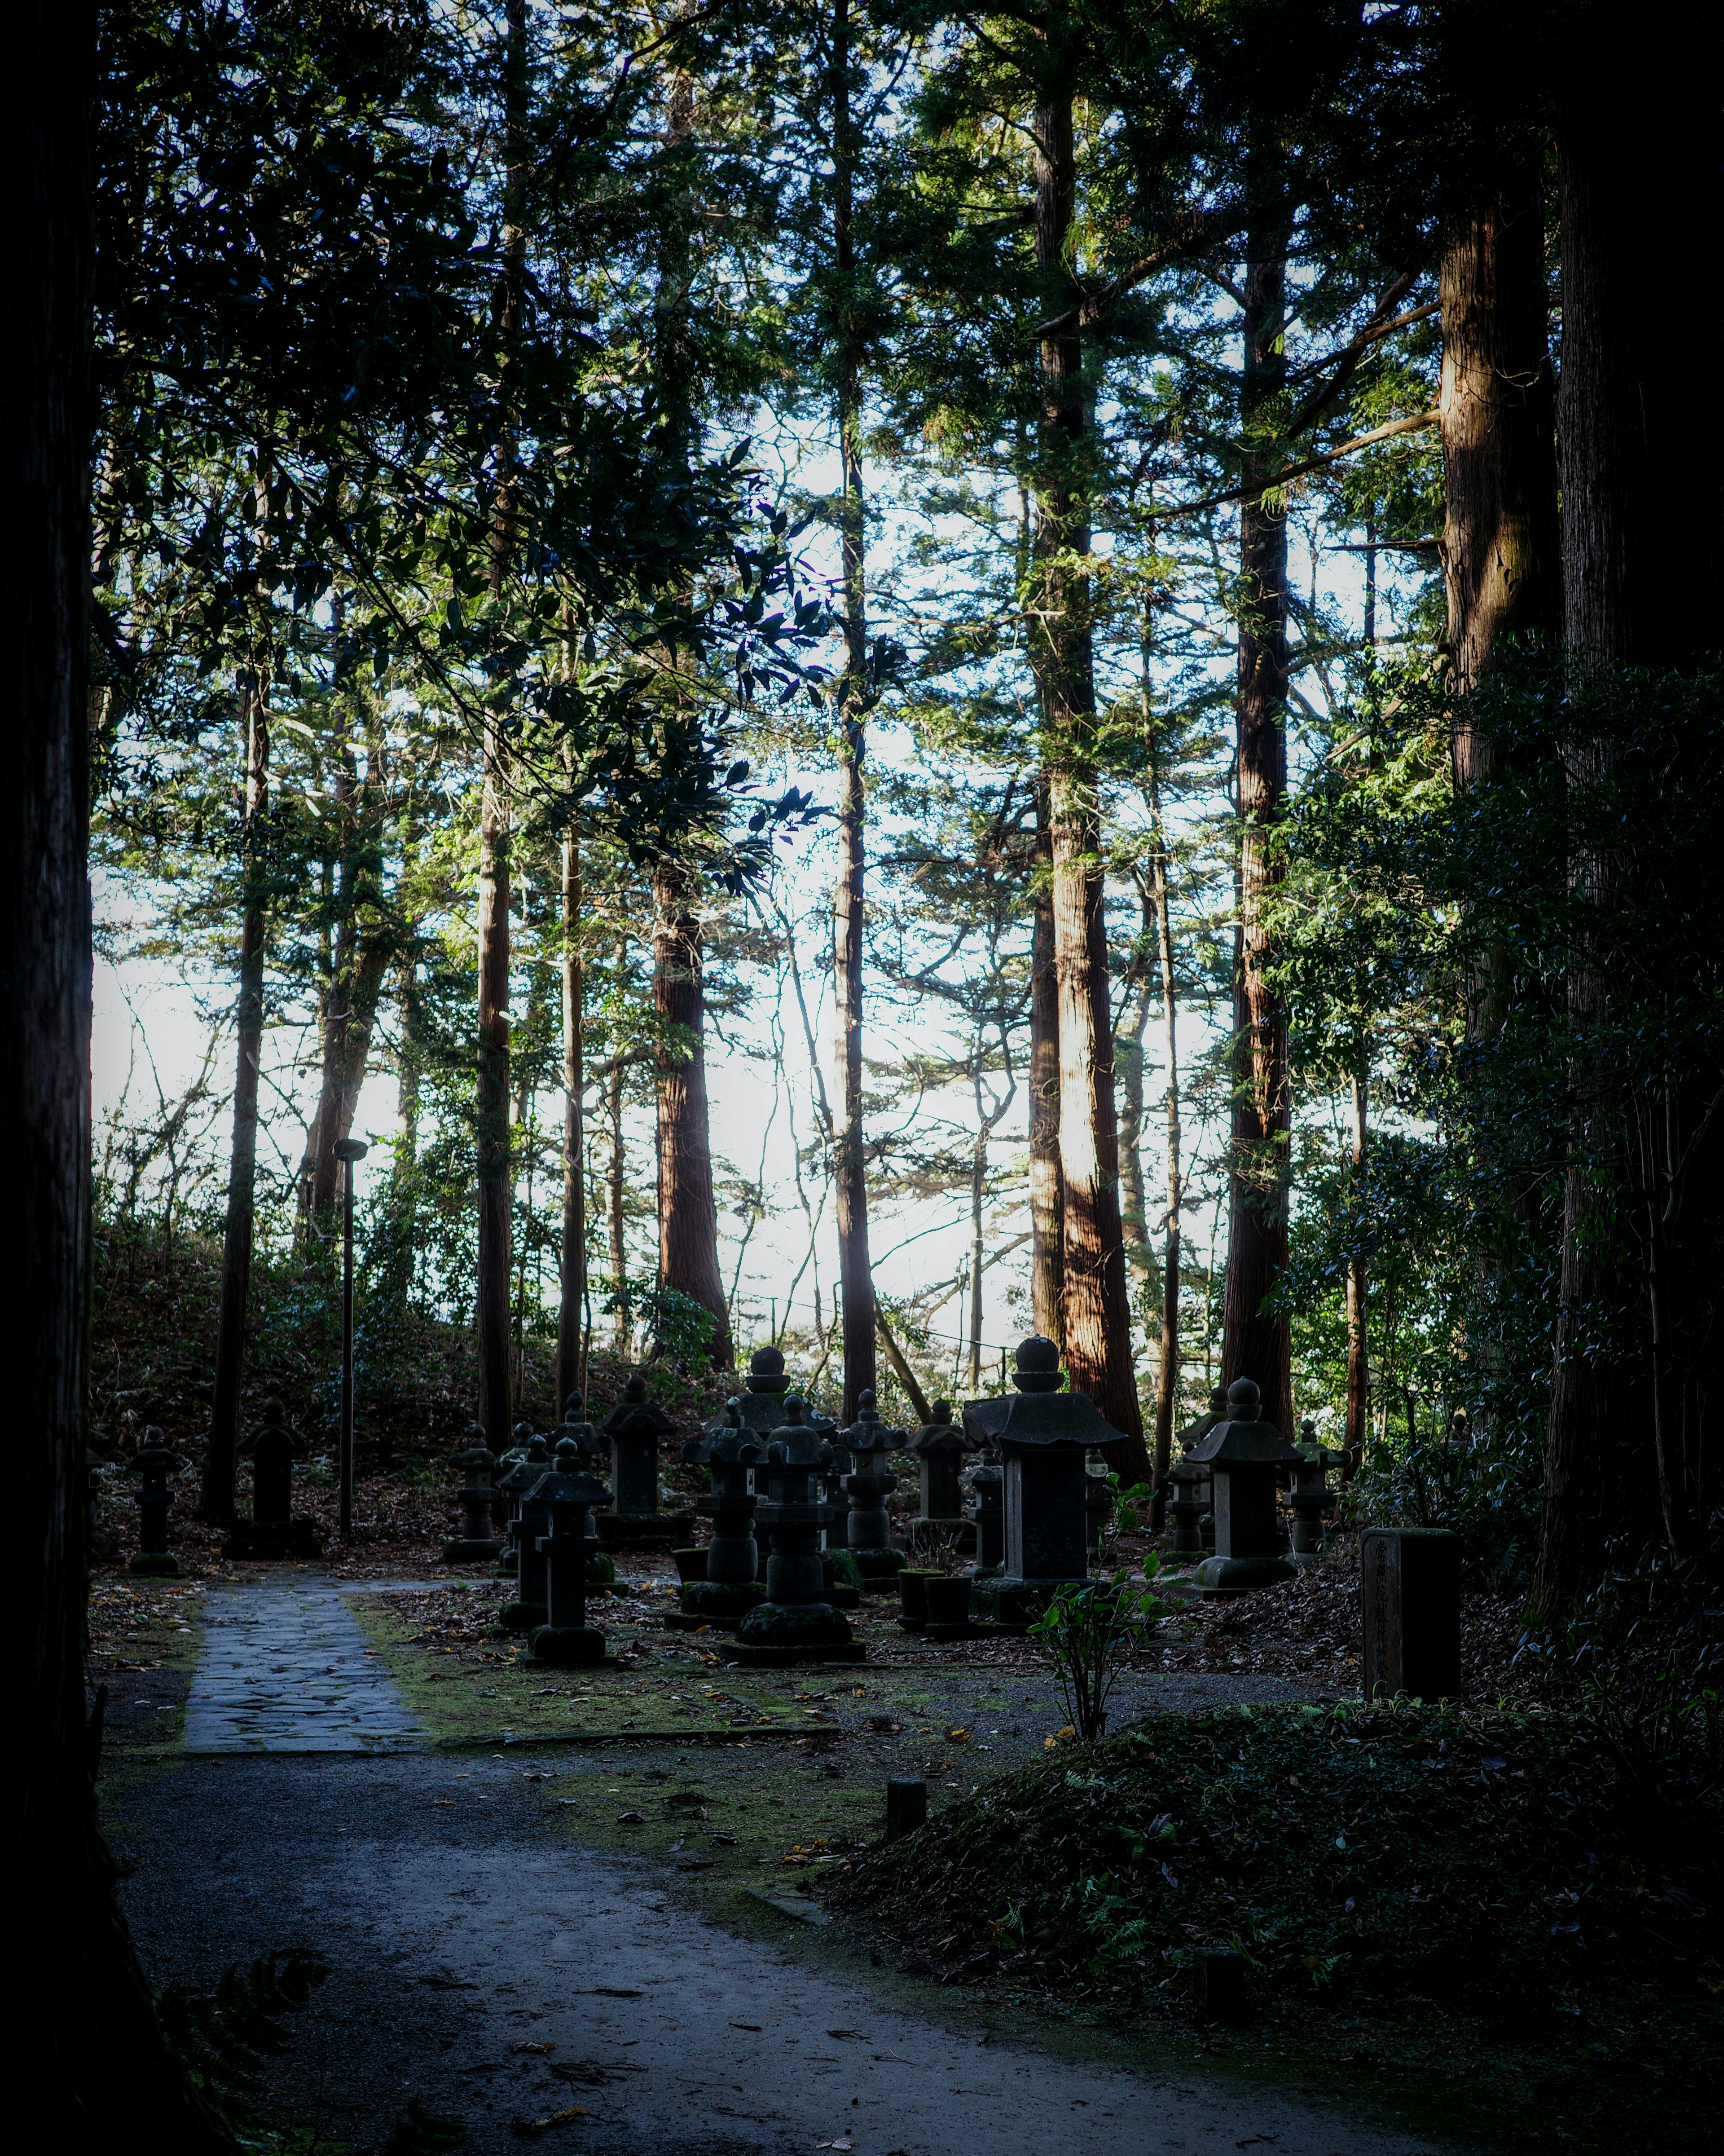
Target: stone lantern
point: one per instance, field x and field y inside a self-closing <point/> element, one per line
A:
<point x="1311" y="1497"/>
<point x="152" y="1466"/>
<point x="567" y="1494"/>
<point x="477" y="1463"/>
<point x="941" y="1447"/>
<point x="868" y="1441"/>
<point x="635" y="1428"/>
<point x="1043" y="1435"/>
<point x="987" y="1511"/>
<point x="1203" y="1492"/>
<point x="1245" y="1458"/>
<point x="272" y="1531"/>
<point x="535" y="1457"/>
<point x="1186" y="1508"/>
<point x="1098" y="1501"/>
<point x="795" y="1624"/>
<point x="733" y="1586"/>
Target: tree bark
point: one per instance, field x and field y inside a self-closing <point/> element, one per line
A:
<point x="1167" y="1364"/>
<point x="1095" y="1315"/>
<point x="571" y="1353"/>
<point x="849" y="1154"/>
<point x="1358" y="1339"/>
<point x="221" y="1464"/>
<point x="360" y="960"/>
<point x="1255" y="1343"/>
<point x="688" y="1214"/>
<point x="1047" y="1195"/>
<point x="1641" y="577"/>
<point x="1502" y="551"/>
<point x="616" y="1217"/>
<point x="63" y="1900"/>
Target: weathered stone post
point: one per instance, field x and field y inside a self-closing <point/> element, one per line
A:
<point x="1311" y="1498"/>
<point x="1244" y="1457"/>
<point x="1411" y="1584"/>
<point x="988" y="1509"/>
<point x="795" y="1624"/>
<point x="566" y="1640"/>
<point x="152" y="1466"/>
<point x="272" y="1531"/>
<point x="1186" y="1508"/>
<point x="636" y="1428"/>
<point x="868" y="1441"/>
<point x="907" y="1806"/>
<point x="1043" y="1434"/>
<point x="476" y="1543"/>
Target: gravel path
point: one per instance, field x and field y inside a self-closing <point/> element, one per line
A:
<point x="486" y="1966"/>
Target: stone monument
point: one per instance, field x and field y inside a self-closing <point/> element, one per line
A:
<point x="530" y="1463"/>
<point x="795" y="1624"/>
<point x="868" y="1528"/>
<point x="1245" y="1458"/>
<point x="475" y="1544"/>
<point x="941" y="1447"/>
<point x="635" y="1428"/>
<point x="568" y="1493"/>
<point x="730" y="1585"/>
<point x="1043" y="1434"/>
<point x="272" y="1532"/>
<point x="152" y="1466"/>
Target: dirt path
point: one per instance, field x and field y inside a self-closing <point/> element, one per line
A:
<point x="484" y="1965"/>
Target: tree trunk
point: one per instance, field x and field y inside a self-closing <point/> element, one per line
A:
<point x="1256" y="1344"/>
<point x="571" y="1356"/>
<point x="63" y="1900"/>
<point x="616" y="1183"/>
<point x="1047" y="1195"/>
<point x="1168" y="1365"/>
<point x="688" y="1215"/>
<point x="1501" y="556"/>
<point x="491" y="1327"/>
<point x="217" y="1498"/>
<point x="360" y="961"/>
<point x="1095" y="1315"/>
<point x="1358" y="1342"/>
<point x="978" y="1184"/>
<point x="1641" y="576"/>
<point x="849" y="1156"/>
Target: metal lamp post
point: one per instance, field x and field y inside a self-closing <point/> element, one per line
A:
<point x="347" y="1151"/>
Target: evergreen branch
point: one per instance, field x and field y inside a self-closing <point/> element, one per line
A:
<point x="1258" y="488"/>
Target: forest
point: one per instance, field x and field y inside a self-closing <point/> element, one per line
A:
<point x="754" y="642"/>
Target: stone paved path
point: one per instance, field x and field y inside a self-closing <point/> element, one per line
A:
<point x="285" y="1668"/>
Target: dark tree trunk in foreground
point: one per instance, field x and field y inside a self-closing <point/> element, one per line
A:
<point x="1641" y="569"/>
<point x="1047" y="1195"/>
<point x="1095" y="1314"/>
<point x="850" y="1157"/>
<point x="571" y="1320"/>
<point x="688" y="1215"/>
<point x="215" y="1499"/>
<point x="1257" y="1344"/>
<point x="1359" y="1317"/>
<point x="82" y="1974"/>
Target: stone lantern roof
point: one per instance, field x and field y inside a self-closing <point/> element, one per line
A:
<point x="796" y="1442"/>
<point x="869" y="1433"/>
<point x="1040" y="1413"/>
<point x="1244" y="1440"/>
<point x="635" y="1415"/>
<point x="569" y="1482"/>
<point x="941" y="1434"/>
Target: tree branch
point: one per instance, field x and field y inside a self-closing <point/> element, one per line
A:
<point x="1259" y="487"/>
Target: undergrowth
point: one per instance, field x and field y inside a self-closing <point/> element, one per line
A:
<point x="1346" y="1853"/>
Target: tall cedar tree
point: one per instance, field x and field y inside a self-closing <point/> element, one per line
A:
<point x="65" y="1900"/>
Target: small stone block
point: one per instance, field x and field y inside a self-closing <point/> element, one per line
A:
<point x="795" y="1905"/>
<point x="906" y="1807"/>
<point x="1221" y="1985"/>
<point x="789" y="1658"/>
<point x="1411" y="1590"/>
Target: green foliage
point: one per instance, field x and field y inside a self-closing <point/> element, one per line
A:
<point x="222" y="2037"/>
<point x="1353" y="1851"/>
<point x="1087" y="1630"/>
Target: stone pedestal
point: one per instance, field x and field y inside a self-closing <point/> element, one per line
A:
<point x="476" y="1545"/>
<point x="272" y="1532"/>
<point x="1245" y="1459"/>
<point x="152" y="1466"/>
<point x="795" y="1624"/>
<point x="869" y="1527"/>
<point x="1411" y="1592"/>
